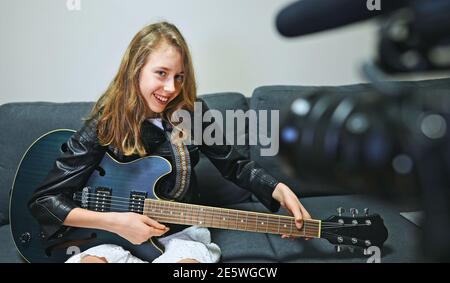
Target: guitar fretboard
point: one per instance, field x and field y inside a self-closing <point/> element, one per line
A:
<point x="223" y="218"/>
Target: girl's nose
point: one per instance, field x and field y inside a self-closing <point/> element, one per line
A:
<point x="169" y="85"/>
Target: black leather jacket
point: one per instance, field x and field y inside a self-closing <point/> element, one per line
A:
<point x="52" y="201"/>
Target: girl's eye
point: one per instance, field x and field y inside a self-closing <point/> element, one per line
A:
<point x="161" y="73"/>
<point x="179" y="78"/>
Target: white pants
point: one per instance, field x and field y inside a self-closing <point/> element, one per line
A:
<point x="193" y="242"/>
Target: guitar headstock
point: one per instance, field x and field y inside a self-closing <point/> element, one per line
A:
<point x="354" y="230"/>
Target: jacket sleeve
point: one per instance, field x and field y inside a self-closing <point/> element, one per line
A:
<point x="52" y="200"/>
<point x="237" y="168"/>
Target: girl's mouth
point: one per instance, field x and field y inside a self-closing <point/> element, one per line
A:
<point x="161" y="99"/>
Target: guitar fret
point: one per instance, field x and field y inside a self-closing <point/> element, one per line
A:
<point x="242" y="222"/>
<point x="212" y="214"/>
<point x="200" y="211"/>
<point x="212" y="217"/>
<point x="183" y="212"/>
<point x="206" y="213"/>
<point x="246" y="220"/>
<point x="257" y="223"/>
<point x="200" y="220"/>
<point x="304" y="228"/>
<point x="227" y="218"/>
<point x="169" y="211"/>
<point x="201" y="216"/>
<point x="192" y="215"/>
<point x="279" y="222"/>
<point x="193" y="218"/>
<point x="285" y="226"/>
<point x="217" y="217"/>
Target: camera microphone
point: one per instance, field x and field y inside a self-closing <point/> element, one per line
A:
<point x="310" y="16"/>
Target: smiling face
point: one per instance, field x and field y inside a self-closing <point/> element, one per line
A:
<point x="161" y="77"/>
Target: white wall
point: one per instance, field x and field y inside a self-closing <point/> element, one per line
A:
<point x="49" y="53"/>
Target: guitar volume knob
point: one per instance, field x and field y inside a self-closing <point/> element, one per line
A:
<point x="25" y="237"/>
<point x="366" y="211"/>
<point x="354" y="211"/>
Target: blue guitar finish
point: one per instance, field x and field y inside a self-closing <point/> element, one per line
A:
<point x="126" y="182"/>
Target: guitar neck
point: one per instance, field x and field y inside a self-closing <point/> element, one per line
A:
<point x="223" y="218"/>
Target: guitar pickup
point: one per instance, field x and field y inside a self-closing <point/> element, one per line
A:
<point x="136" y="203"/>
<point x="100" y="200"/>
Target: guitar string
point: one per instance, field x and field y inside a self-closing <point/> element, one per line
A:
<point x="269" y="223"/>
<point x="162" y="217"/>
<point x="188" y="214"/>
<point x="138" y="204"/>
<point x="141" y="206"/>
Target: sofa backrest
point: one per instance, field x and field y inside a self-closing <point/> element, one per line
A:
<point x="22" y="123"/>
<point x="280" y="98"/>
<point x="213" y="189"/>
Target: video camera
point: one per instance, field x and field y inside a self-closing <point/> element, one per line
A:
<point x="390" y="140"/>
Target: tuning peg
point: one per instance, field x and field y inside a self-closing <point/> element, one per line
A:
<point x="366" y="211"/>
<point x="354" y="211"/>
<point x="338" y="248"/>
<point x="340" y="210"/>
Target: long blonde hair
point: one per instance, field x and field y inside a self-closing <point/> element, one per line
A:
<point x="122" y="109"/>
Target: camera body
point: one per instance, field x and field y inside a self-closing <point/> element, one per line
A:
<point x="388" y="139"/>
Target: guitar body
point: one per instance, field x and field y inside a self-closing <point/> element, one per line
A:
<point x="130" y="182"/>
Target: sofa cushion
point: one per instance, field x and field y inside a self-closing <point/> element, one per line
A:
<point x="20" y="125"/>
<point x="280" y="98"/>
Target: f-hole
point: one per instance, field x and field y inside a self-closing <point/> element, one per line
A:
<point x="101" y="171"/>
<point x="64" y="148"/>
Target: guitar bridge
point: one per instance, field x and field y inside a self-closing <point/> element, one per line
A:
<point x="84" y="197"/>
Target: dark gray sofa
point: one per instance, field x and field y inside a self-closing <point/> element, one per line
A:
<point x="22" y="123"/>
